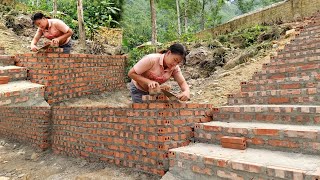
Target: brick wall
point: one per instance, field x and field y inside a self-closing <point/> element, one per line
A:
<point x="138" y="137"/>
<point x="73" y="75"/>
<point x="284" y="11"/>
<point x="27" y="124"/>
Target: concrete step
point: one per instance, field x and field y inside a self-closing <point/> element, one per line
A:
<point x="280" y="137"/>
<point x="14" y="72"/>
<point x="279" y="114"/>
<point x="6" y="60"/>
<point x="21" y="93"/>
<point x="279" y="96"/>
<point x="207" y="161"/>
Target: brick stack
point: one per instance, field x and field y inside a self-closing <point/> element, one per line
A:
<point x="73" y="75"/>
<point x="278" y="114"/>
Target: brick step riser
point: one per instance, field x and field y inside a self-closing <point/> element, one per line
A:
<point x="312" y="25"/>
<point x="308" y="30"/>
<point x="298" y="52"/>
<point x="295" y="50"/>
<point x="307" y="36"/>
<point x="297" y="99"/>
<point x="263" y="138"/>
<point x="306" y="79"/>
<point x="196" y="167"/>
<point x="15" y="75"/>
<point x="292" y="47"/>
<point x="283" y="75"/>
<point x="279" y="86"/>
<point x="308" y="57"/>
<point x="311" y="119"/>
<point x="298" y="43"/>
<point x="291" y="62"/>
<point x="270" y="68"/>
<point x="21" y="97"/>
<point x="6" y="60"/>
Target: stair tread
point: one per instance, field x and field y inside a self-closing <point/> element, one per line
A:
<point x="267" y="158"/>
<point x="18" y="86"/>
<point x="11" y="67"/>
<point x="253" y="125"/>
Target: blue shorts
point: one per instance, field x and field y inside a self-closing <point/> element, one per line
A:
<point x="66" y="47"/>
<point x="136" y="94"/>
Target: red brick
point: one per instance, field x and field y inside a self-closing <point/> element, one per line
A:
<point x="233" y="140"/>
<point x="278" y="100"/>
<point x="266" y="132"/>
<point x="234" y="146"/>
<point x="200" y="170"/>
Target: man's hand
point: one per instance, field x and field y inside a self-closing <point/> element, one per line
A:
<point x="153" y="84"/>
<point x="154" y="87"/>
<point x="184" y="96"/>
<point x="55" y="42"/>
<point x="34" y="48"/>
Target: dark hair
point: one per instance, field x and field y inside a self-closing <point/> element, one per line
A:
<point x="38" y="16"/>
<point x="177" y="49"/>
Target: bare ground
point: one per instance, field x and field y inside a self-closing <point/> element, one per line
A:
<point x="18" y="161"/>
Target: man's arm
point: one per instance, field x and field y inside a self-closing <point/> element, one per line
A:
<point x="35" y="40"/>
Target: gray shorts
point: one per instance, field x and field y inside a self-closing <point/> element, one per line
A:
<point x="136" y="94"/>
<point x="67" y="47"/>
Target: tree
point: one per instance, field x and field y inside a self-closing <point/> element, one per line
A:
<point x="82" y="33"/>
<point x="214" y="15"/>
<point x="186" y="16"/>
<point x="54" y="8"/>
<point x="178" y="14"/>
<point x="245" y="5"/>
<point x="99" y="13"/>
<point x="153" y="22"/>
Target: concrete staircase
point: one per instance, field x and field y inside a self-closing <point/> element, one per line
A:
<point x="19" y="91"/>
<point x="278" y="112"/>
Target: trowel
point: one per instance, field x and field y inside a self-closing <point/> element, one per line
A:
<point x="170" y="95"/>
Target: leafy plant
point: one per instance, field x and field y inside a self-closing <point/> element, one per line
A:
<point x="98" y="13"/>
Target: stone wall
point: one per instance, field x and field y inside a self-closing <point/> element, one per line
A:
<point x="286" y="11"/>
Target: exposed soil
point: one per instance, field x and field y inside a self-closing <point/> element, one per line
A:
<point x="18" y="161"/>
